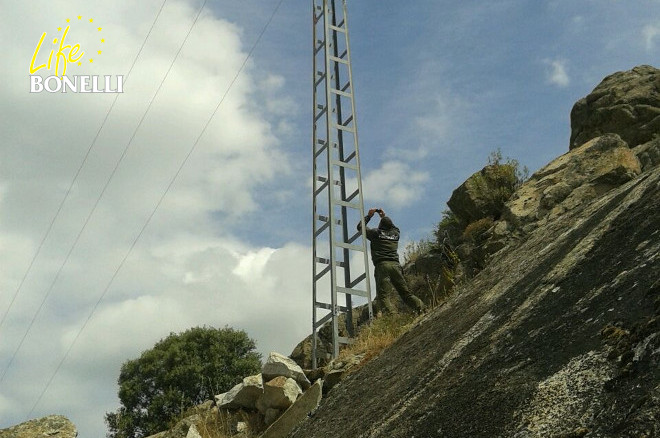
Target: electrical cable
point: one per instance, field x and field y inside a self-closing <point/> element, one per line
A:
<point x="98" y="200"/>
<point x="158" y="204"/>
<point x="77" y="174"/>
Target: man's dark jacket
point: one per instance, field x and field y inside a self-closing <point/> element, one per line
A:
<point x="384" y="241"/>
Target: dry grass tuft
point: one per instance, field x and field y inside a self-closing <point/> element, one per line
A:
<point x="475" y="231"/>
<point x="375" y="337"/>
<point x="216" y="423"/>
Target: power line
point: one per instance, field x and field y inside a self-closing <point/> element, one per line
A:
<point x="158" y="204"/>
<point x="77" y="174"/>
<point x="98" y="200"/>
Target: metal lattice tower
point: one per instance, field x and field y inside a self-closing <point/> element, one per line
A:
<point x="340" y="263"/>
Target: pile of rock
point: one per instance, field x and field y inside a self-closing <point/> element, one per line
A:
<point x="271" y="393"/>
<point x="280" y="397"/>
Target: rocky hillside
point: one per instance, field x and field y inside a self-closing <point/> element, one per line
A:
<point x="553" y="332"/>
<point x="559" y="335"/>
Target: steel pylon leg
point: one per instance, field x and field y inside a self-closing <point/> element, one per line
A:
<point x="340" y="261"/>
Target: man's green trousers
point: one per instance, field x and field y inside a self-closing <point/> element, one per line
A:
<point x="388" y="274"/>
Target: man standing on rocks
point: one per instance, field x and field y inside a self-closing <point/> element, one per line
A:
<point x="384" y="254"/>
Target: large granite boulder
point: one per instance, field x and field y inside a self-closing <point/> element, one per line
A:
<point x="280" y="365"/>
<point x="574" y="178"/>
<point x="279" y="393"/>
<point x="243" y="395"/>
<point x="483" y="194"/>
<point x="50" y="426"/>
<point x="625" y="103"/>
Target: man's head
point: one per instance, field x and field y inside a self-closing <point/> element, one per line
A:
<point x="385" y="223"/>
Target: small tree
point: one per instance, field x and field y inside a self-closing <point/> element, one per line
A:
<point x="180" y="371"/>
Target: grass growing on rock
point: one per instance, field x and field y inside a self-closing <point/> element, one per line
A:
<point x="475" y="231"/>
<point x="375" y="337"/>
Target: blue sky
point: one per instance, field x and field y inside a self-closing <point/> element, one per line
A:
<point x="439" y="85"/>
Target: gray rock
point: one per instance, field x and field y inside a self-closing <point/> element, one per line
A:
<point x="574" y="178"/>
<point x="297" y="413"/>
<point x="625" y="103"/>
<point x="554" y="195"/>
<point x="498" y="237"/>
<point x="280" y="365"/>
<point x="426" y="264"/>
<point x="279" y="393"/>
<point x="193" y="432"/>
<point x="648" y="154"/>
<point x="568" y="400"/>
<point x="315" y="374"/>
<point x="338" y="369"/>
<point x="521" y="346"/>
<point x="180" y="429"/>
<point x="50" y="426"/>
<point x="243" y="395"/>
<point x="332" y="379"/>
<point x="302" y="353"/>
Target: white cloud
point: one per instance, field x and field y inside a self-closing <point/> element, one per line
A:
<point x="557" y="72"/>
<point x="650" y="32"/>
<point x="444" y="111"/>
<point x="395" y="184"/>
<point x="271" y="304"/>
<point x="187" y="269"/>
<point x="578" y="20"/>
<point x="5" y="403"/>
<point x="252" y="264"/>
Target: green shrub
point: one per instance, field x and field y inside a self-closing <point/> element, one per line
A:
<point x="521" y="175"/>
<point x="493" y="186"/>
<point x="180" y="371"/>
<point x="433" y="289"/>
<point x="449" y="228"/>
<point x="414" y="250"/>
<point x="475" y="232"/>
